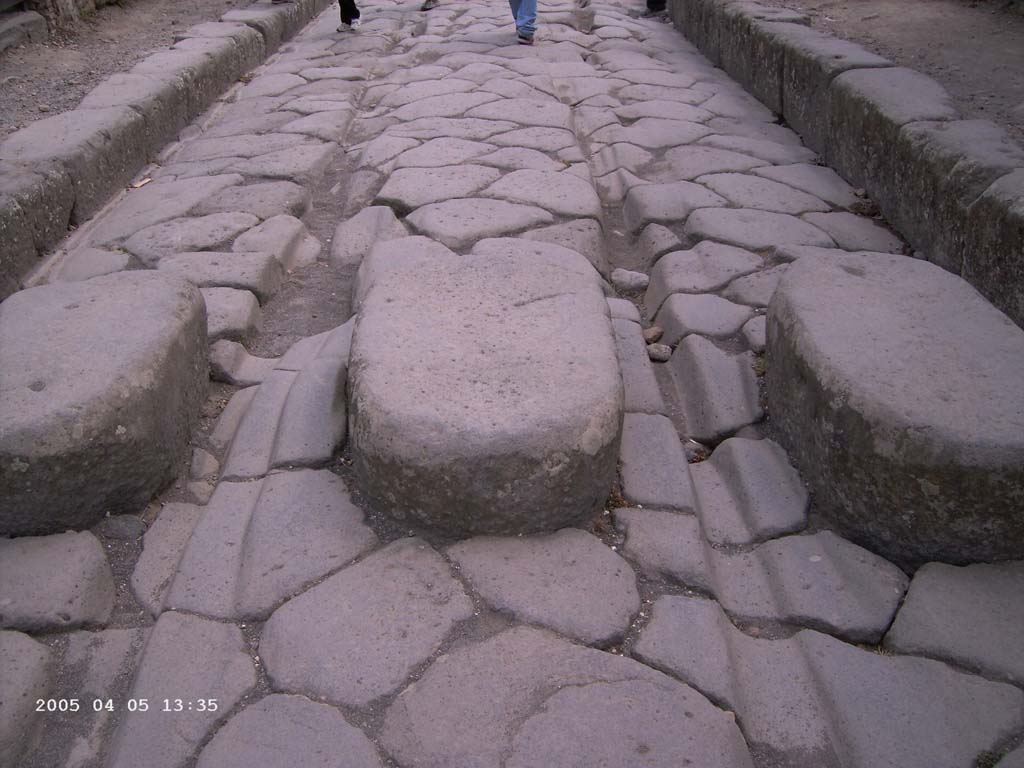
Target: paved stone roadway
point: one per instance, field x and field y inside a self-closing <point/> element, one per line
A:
<point x="706" y="623"/>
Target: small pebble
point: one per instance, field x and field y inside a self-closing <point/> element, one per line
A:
<point x="625" y="280"/>
<point x="695" y="451"/>
<point x="652" y="334"/>
<point x="659" y="353"/>
<point x="44" y="107"/>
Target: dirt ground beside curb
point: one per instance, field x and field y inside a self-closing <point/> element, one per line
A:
<point x="39" y="80"/>
<point x="975" y="49"/>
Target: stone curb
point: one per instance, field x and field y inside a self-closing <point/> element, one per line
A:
<point x="59" y="171"/>
<point x="953" y="187"/>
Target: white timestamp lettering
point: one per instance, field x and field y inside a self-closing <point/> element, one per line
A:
<point x="58" y="705"/>
<point x="190" y="705"/>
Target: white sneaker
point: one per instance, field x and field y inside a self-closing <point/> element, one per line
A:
<point x="356" y="23"/>
<point x="343" y="27"/>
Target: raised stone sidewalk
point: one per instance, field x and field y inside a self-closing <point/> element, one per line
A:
<point x="565" y="263"/>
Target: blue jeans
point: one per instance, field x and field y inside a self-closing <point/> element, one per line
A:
<point x="525" y="14"/>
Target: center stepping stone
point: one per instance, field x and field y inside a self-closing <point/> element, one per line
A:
<point x="485" y="390"/>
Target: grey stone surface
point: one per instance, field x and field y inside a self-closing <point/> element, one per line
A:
<point x="770" y="151"/>
<point x="28" y="676"/>
<point x="746" y="191"/>
<point x="816" y="180"/>
<point x="162" y="547"/>
<point x="690" y="162"/>
<point x="623" y="309"/>
<point x="183" y="658"/>
<point x="355" y="236"/>
<point x="568" y="581"/>
<point x="524" y="327"/>
<point x="86" y="263"/>
<point x="856" y="233"/>
<point x="581" y="235"/>
<point x="704" y="268"/>
<point x="665" y="203"/>
<point x="560" y="193"/>
<point x="229" y="419"/>
<point x="655" y="241"/>
<point x="54" y="582"/>
<point x="284" y="236"/>
<point x="409" y="188"/>
<point x="359" y="635"/>
<point x="263" y="200"/>
<point x="718" y="391"/>
<point x="755" y="333"/>
<point x="703" y="313"/>
<point x="748" y="491"/>
<point x="460" y="223"/>
<point x="281" y="731"/>
<point x="257" y="544"/>
<point x="812" y="700"/>
<point x="970" y="616"/>
<point x="753" y="229"/>
<point x="502" y="697"/>
<point x="231" y="313"/>
<point x="1014" y="759"/>
<point x="205" y="233"/>
<point x="258" y="273"/>
<point x="639" y="384"/>
<point x="653" y="465"/>
<point x="757" y="289"/>
<point x="627" y="280"/>
<point x="100" y="386"/>
<point x="231" y="363"/>
<point x="931" y="419"/>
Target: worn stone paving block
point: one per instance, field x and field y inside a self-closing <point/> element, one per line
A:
<point x="665" y="545"/>
<point x="526" y="697"/>
<point x="355" y="236"/>
<point x="745" y="191"/>
<point x="441" y="152"/>
<point x="284" y="236"/>
<point x="329" y="345"/>
<point x="665" y="203"/>
<point x="653" y="133"/>
<point x="100" y="387"/>
<point x="302" y="164"/>
<point x="446" y="105"/>
<point x="670" y="110"/>
<point x="230" y="313"/>
<point x="243" y="145"/>
<point x="815" y="180"/>
<point x="753" y="229"/>
<point x="259" y="273"/>
<point x="288" y="730"/>
<point x="560" y="193"/>
<point x="568" y="581"/>
<point x="706" y="267"/>
<point x="423" y="89"/>
<point x="655" y="241"/>
<point x="584" y="236"/>
<point x="755" y="333"/>
<point x="231" y="363"/>
<point x="970" y="616"/>
<point x="481" y="391"/>
<point x="182" y="658"/>
<point x="856" y="233"/>
<point x="747" y="492"/>
<point x="35" y="596"/>
<point x="409" y="188"/>
<point x="693" y="161"/>
<point x="549" y="114"/>
<point x="259" y="543"/>
<point x="703" y="313"/>
<point x="461" y="127"/>
<point x="653" y="466"/>
<point x="718" y="391"/>
<point x="623" y="309"/>
<point x="460" y="223"/>
<point x="539" y="138"/>
<point x="358" y="635"/>
<point x="620" y="155"/>
<point x="296" y="418"/>
<point x="774" y="132"/>
<point x="1014" y="759"/>
<point x="629" y="281"/>
<point x="931" y="408"/>
<point x="812" y="700"/>
<point x="757" y="289"/>
<point x="204" y="233"/>
<point x="28" y="676"/>
<point x="520" y="159"/>
<point x="87" y="263"/>
<point x="264" y="200"/>
<point x="162" y="547"/>
<point x="640" y="386"/>
<point x="326" y="125"/>
<point x="765" y="149"/>
<point x="229" y="419"/>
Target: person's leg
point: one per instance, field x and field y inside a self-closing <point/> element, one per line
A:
<point x="526" y="17"/>
<point x="655" y="6"/>
<point x="349" y="12"/>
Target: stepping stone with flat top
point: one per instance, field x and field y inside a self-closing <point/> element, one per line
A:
<point x="896" y="388"/>
<point x="484" y="389"/>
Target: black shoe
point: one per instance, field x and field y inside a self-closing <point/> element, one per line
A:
<point x="524" y="39"/>
<point x="428" y="5"/>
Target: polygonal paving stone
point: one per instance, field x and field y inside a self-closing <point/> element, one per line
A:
<point x="87" y="263"/>
<point x="704" y="313"/>
<point x="971" y="616"/>
<point x="413" y="92"/>
<point x="755" y="333"/>
<point x="1013" y="760"/>
<point x="162" y="547"/>
<point x="204" y="233"/>
<point x="409" y="188"/>
<point x="653" y="133"/>
<point x="230" y="313"/>
<point x="270" y="85"/>
<point x="263" y="200"/>
<point x="447" y="105"/>
<point x="693" y="161"/>
<point x="284" y="236"/>
<point x="541" y="139"/>
<point x="590" y="119"/>
<point x="856" y="233"/>
<point x="774" y="132"/>
<point x="355" y="236"/>
<point x="334" y="73"/>
<point x="765" y="149"/>
<point x="472" y="128"/>
<point x="704" y="268"/>
<point x="665" y="203"/>
<point x="561" y="193"/>
<point x="756" y="230"/>
<point x="548" y="114"/>
<point x="440" y="152"/>
<point x="653" y="465"/>
<point x="568" y="581"/>
<point x="661" y="93"/>
<point x="520" y="159"/>
<point x="669" y="110"/>
<point x="813" y="700"/>
<point x="28" y="676"/>
<point x="231" y="363"/>
<point x="581" y="235"/>
<point x="742" y="107"/>
<point x="326" y="125"/>
<point x="655" y="241"/>
<point x="718" y="391"/>
<point x="757" y="289"/>
<point x="259" y="273"/>
<point x="303" y="165"/>
<point x="816" y="180"/>
<point x="501" y="697"/>
<point x="642" y="393"/>
<point x="245" y="145"/>
<point x="748" y="491"/>
<point x="359" y="635"/>
<point x="460" y="223"/>
<point x="384" y="148"/>
<point x="282" y="730"/>
<point x="259" y="543"/>
<point x="745" y="191"/>
<point x="620" y="155"/>
<point x="100" y="386"/>
<point x="623" y="309"/>
<point x="185" y="658"/>
<point x="54" y="582"/>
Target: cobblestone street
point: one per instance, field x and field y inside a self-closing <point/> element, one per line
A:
<point x="457" y="290"/>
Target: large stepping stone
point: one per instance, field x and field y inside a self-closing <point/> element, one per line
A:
<point x="511" y="421"/>
<point x="896" y="388"/>
<point x="559" y="193"/>
<point x="100" y="387"/>
<point x="28" y="676"/>
<point x="528" y="698"/>
<point x="972" y="616"/>
<point x="568" y="581"/>
<point x="358" y="635"/>
<point x="283" y="730"/>
<point x="812" y="700"/>
<point x="37" y="596"/>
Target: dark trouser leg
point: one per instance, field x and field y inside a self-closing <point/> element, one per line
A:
<point x="348" y="11"/>
<point x="656" y="6"/>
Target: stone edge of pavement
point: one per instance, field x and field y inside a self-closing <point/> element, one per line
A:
<point x="953" y="187"/>
<point x="38" y="204"/>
